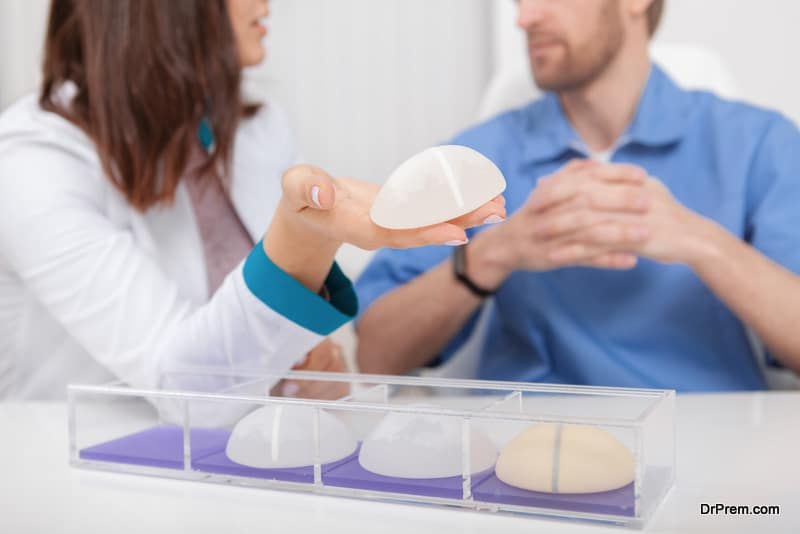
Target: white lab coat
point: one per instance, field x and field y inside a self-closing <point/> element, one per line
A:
<point x="90" y="289"/>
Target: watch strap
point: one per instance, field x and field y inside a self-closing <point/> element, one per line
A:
<point x="460" y="273"/>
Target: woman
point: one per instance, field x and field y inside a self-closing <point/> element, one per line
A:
<point x="133" y="188"/>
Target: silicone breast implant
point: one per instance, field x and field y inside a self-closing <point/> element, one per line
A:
<point x="437" y="185"/>
<point x="407" y="445"/>
<point x="275" y="437"/>
<point x="565" y="459"/>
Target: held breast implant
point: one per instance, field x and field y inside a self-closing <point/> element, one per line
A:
<point x="437" y="185"/>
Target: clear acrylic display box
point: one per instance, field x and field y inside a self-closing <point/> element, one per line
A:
<point x="420" y="440"/>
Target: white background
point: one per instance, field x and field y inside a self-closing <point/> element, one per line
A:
<point x="369" y="82"/>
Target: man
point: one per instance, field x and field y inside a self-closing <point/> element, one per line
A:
<point x="650" y="228"/>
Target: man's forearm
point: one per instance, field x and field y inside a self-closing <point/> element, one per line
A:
<point x="408" y="327"/>
<point x="764" y="295"/>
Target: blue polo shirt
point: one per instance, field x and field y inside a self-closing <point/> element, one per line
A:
<point x="656" y="325"/>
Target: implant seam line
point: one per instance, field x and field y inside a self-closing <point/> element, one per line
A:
<point x="451" y="177"/>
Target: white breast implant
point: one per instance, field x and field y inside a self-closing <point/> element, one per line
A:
<point x="276" y="437"/>
<point x="437" y="185"/>
<point x="565" y="459"/>
<point x="423" y="446"/>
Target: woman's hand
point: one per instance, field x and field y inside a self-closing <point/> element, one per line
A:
<point x="338" y="210"/>
<point x="325" y="357"/>
<point x="318" y="213"/>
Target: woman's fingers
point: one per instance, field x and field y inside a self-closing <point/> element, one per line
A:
<point x="500" y="199"/>
<point x="438" y="234"/>
<point x="492" y="212"/>
<point x="313" y="194"/>
<point x="324" y="390"/>
<point x="315" y="389"/>
<point x="449" y="233"/>
<point x="325" y="357"/>
<point x="306" y="186"/>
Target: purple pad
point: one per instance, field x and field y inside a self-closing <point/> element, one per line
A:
<point x="352" y="475"/>
<point x="615" y="502"/>
<point x="220" y="463"/>
<point x="161" y="446"/>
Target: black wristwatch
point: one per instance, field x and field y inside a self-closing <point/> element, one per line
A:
<point x="460" y="273"/>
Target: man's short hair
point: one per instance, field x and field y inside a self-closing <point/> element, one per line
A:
<point x="654" y="13"/>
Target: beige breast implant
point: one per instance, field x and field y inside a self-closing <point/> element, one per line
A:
<point x="566" y="459"/>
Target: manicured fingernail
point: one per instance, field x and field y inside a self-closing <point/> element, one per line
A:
<point x="457" y="243"/>
<point x="290" y="389"/>
<point x="315" y="196"/>
<point x="493" y="219"/>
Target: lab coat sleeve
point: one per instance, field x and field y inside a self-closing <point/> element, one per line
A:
<point x="112" y="297"/>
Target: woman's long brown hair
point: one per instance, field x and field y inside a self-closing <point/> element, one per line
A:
<point x="147" y="72"/>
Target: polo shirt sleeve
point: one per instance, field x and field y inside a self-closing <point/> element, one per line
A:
<point x="773" y="196"/>
<point x="391" y="269"/>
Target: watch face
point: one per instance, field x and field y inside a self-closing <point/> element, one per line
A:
<point x="437" y="185"/>
<point x="460" y="272"/>
<point x="460" y="259"/>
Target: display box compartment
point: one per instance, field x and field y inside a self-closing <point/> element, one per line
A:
<point x="600" y="454"/>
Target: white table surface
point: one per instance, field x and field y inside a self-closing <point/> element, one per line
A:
<point x="735" y="449"/>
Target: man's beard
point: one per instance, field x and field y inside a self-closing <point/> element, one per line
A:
<point x="580" y="66"/>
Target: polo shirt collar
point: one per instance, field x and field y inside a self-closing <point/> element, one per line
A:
<point x="663" y="115"/>
<point x="661" y="119"/>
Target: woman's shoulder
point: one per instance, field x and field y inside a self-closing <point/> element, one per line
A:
<point x="44" y="154"/>
<point x="25" y="127"/>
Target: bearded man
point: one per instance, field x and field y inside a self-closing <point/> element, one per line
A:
<point x="654" y="232"/>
